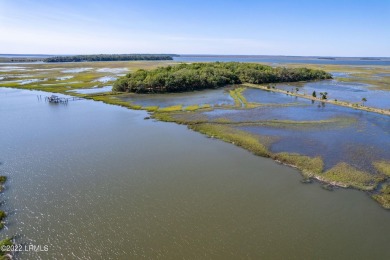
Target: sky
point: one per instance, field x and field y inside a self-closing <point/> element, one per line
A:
<point x="242" y="27"/>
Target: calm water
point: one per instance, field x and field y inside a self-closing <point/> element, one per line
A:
<point x="95" y="181"/>
<point x="92" y="90"/>
<point x="282" y="59"/>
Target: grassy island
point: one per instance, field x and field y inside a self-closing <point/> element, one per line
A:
<point x="196" y="76"/>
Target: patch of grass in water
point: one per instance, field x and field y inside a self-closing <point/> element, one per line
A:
<point x="229" y="134"/>
<point x="384" y="196"/>
<point x="165" y="117"/>
<point x="382" y="167"/>
<point x="310" y="166"/>
<point x="3" y="179"/>
<point x="10" y="84"/>
<point x="293" y="124"/>
<point x="239" y="99"/>
<point x="222" y="120"/>
<point x="151" y="108"/>
<point x="114" y="101"/>
<point x="250" y="105"/>
<point x="381" y="83"/>
<point x="345" y="175"/>
<point x="5" y="243"/>
<point x="191" y="108"/>
<point x="386" y="189"/>
<point x="2" y="216"/>
<point x="205" y="106"/>
<point x="180" y="117"/>
<point x="383" y="199"/>
<point x="171" y="108"/>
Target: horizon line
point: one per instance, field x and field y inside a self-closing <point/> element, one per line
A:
<point x="200" y="54"/>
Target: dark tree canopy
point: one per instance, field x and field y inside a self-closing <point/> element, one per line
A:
<point x="110" y="57"/>
<point x="195" y="76"/>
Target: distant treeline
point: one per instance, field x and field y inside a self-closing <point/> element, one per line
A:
<point x="110" y="57"/>
<point x="16" y="59"/>
<point x="195" y="76"/>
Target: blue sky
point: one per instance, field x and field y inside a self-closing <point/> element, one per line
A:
<point x="325" y="28"/>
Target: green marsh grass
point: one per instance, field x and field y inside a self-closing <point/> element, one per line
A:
<point x="344" y="174"/>
<point x="384" y="196"/>
<point x="229" y="134"/>
<point x="151" y="108"/>
<point x="2" y="217"/>
<point x="192" y="108"/>
<point x="382" y="167"/>
<point x="4" y="243"/>
<point x="309" y="166"/>
<point x="112" y="100"/>
<point x="171" y="108"/>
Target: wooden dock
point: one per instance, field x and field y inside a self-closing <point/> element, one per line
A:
<point x="57" y="99"/>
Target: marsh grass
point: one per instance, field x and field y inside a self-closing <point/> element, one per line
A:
<point x="151" y="108"/>
<point x="384" y="196"/>
<point x="232" y="135"/>
<point x="166" y="117"/>
<point x="292" y="124"/>
<point x="112" y="100"/>
<point x="2" y="217"/>
<point x="222" y="120"/>
<point x="239" y="99"/>
<point x="383" y="199"/>
<point x="382" y="83"/>
<point x="309" y="166"/>
<point x="344" y="174"/>
<point x="181" y="117"/>
<point x="206" y="106"/>
<point x="4" y="243"/>
<point x="171" y="108"/>
<point x="382" y="167"/>
<point x="3" y="179"/>
<point x="81" y="80"/>
<point x="192" y="108"/>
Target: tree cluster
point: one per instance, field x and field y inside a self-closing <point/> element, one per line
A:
<point x="196" y="76"/>
<point x="109" y="57"/>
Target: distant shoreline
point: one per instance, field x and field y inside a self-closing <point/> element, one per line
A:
<point x="87" y="58"/>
